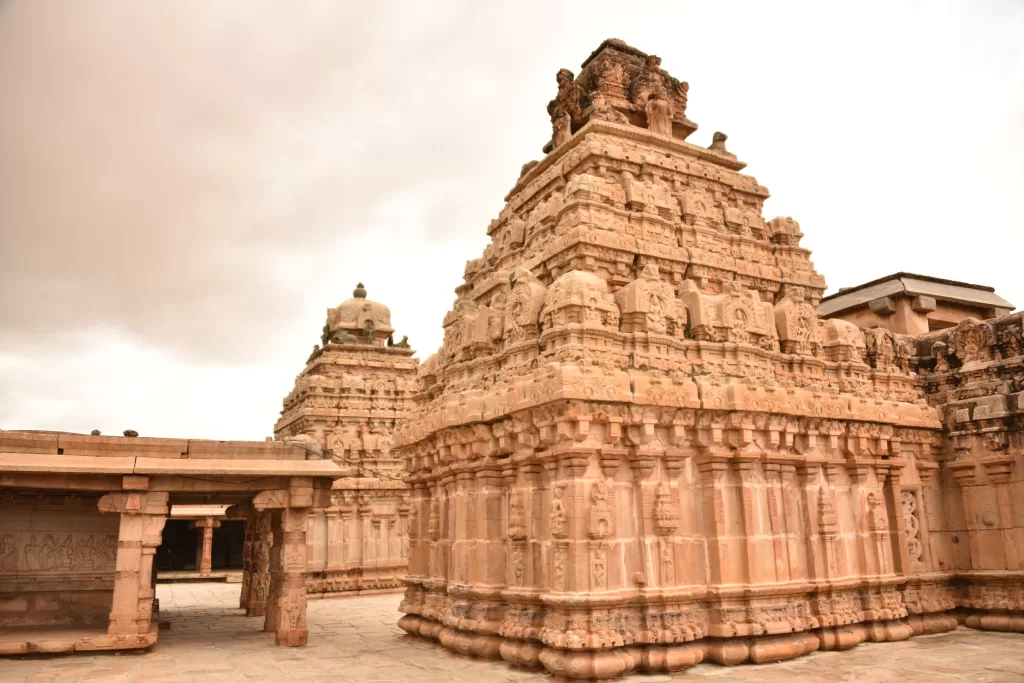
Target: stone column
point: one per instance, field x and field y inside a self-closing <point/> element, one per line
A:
<point x="965" y="474"/>
<point x="286" y="605"/>
<point x="143" y="515"/>
<point x="247" y="544"/>
<point x="259" y="561"/>
<point x="204" y="551"/>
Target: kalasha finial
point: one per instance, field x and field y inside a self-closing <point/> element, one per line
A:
<point x="359" y="292"/>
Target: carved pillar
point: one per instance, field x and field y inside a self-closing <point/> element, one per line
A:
<point x="558" y="529"/>
<point x="143" y="515"/>
<point x="204" y="550"/>
<point x="286" y="606"/>
<point x="666" y="522"/>
<point x="247" y="544"/>
<point x="828" y="522"/>
<point x="259" y="562"/>
<point x="516" y="531"/>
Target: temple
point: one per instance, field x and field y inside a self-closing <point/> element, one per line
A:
<point x="647" y="441"/>
<point x="639" y="447"/>
<point x="357" y="384"/>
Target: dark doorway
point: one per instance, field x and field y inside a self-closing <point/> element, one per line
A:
<point x="228" y="540"/>
<point x="177" y="552"/>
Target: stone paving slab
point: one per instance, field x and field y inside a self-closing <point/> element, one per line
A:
<point x="355" y="640"/>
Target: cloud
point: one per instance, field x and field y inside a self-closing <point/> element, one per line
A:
<point x="185" y="187"/>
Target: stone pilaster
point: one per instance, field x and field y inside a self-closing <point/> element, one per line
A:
<point x="999" y="469"/>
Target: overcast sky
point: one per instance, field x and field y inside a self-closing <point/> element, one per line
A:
<point x="186" y="186"/>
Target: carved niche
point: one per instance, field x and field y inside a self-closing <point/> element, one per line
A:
<point x="649" y="304"/>
<point x="580" y="298"/>
<point x="796" y="321"/>
<point x="600" y="526"/>
<point x="522" y="309"/>
<point x="737" y="315"/>
<point x="842" y="341"/>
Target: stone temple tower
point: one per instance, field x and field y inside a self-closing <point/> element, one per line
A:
<point x="638" y="446"/>
<point x="348" y="398"/>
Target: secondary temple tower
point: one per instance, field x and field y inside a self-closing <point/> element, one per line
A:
<point x="348" y="398"/>
<point x="638" y="446"/>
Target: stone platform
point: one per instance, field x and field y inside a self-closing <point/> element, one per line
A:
<point x="356" y="638"/>
<point x="228" y="575"/>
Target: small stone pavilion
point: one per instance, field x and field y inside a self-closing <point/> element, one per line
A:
<point x="82" y="517"/>
<point x="639" y="447"/>
<point x="906" y="303"/>
<point x="354" y="389"/>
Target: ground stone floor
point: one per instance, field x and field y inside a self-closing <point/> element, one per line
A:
<point x="355" y="639"/>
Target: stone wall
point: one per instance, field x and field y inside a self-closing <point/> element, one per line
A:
<point x="974" y="373"/>
<point x="57" y="559"/>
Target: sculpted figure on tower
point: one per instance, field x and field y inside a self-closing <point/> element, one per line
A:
<point x="638" y="447"/>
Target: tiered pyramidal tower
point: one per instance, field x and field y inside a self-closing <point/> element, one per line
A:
<point x="348" y="398"/>
<point x="638" y="446"/>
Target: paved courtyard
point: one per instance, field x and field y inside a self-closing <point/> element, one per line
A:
<point x="355" y="639"/>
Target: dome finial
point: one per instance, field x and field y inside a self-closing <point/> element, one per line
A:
<point x="359" y="292"/>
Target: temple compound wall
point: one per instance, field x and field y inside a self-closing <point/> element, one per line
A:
<point x="639" y="447"/>
<point x="348" y="399"/>
<point x="82" y="517"/>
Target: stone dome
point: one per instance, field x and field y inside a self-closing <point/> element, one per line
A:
<point x="354" y="316"/>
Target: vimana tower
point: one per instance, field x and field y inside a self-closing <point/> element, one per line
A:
<point x="639" y="447"/>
